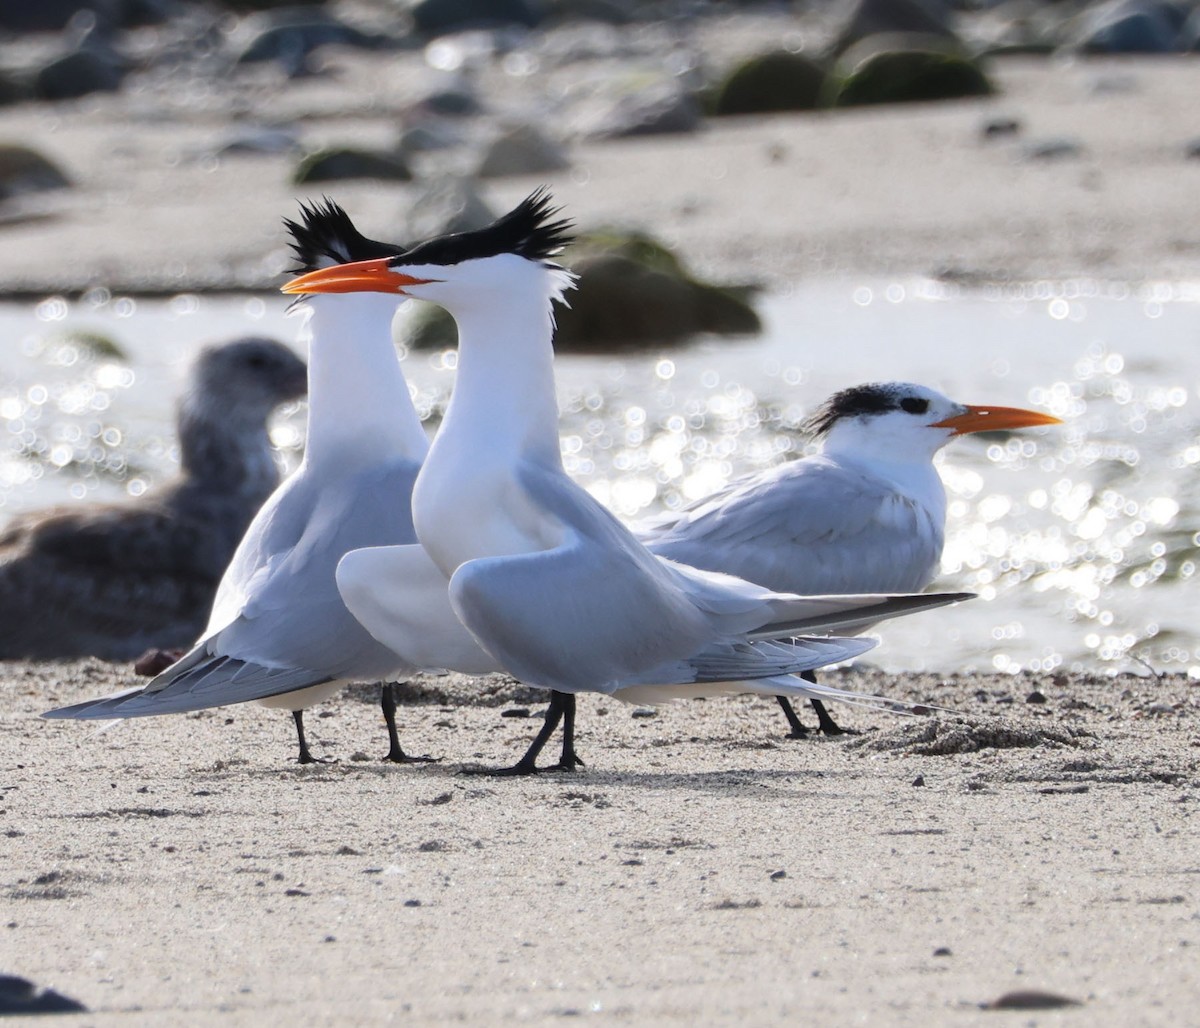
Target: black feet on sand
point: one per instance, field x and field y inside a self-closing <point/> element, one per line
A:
<point x="825" y="724"/>
<point x="395" y="754"/>
<point x="562" y="708"/>
<point x="306" y="756"/>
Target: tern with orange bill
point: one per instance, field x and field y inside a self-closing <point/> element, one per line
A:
<point x="867" y="513"/>
<point x="550" y="583"/>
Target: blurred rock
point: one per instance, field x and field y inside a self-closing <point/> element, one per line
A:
<point x="780" y="81"/>
<point x="290" y="34"/>
<point x="522" y="150"/>
<point x="438" y="17"/>
<point x="26" y="171"/>
<point x="53" y="15"/>
<point x="249" y="139"/>
<point x="88" y="69"/>
<point x="631" y="292"/>
<point x="900" y="68"/>
<point x="637" y="104"/>
<point x="864" y="18"/>
<point x="448" y="205"/>
<point x="20" y="996"/>
<point x="611" y="12"/>
<point x="1128" y="27"/>
<point x="347" y="163"/>
<point x="1054" y="149"/>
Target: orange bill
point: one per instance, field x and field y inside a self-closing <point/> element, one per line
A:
<point x="995" y="419"/>
<point x="359" y="277"/>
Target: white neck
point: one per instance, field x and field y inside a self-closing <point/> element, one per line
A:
<point x="909" y="473"/>
<point x="503" y="412"/>
<point x="359" y="408"/>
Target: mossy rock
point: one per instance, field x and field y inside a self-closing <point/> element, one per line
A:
<point x="336" y="164"/>
<point x="94" y="345"/>
<point x="23" y="170"/>
<point x="903" y="68"/>
<point x="779" y="81"/>
<point x="632" y="292"/>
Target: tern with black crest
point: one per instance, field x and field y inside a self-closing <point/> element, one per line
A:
<point x="548" y="581"/>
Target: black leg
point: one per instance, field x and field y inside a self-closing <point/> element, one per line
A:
<point x="527" y="765"/>
<point x="798" y="730"/>
<point x="826" y="724"/>
<point x="395" y="753"/>
<point x="306" y="757"/>
<point x="569" y="759"/>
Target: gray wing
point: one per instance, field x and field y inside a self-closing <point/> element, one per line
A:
<point x="599" y="612"/>
<point x="809" y="526"/>
<point x="292" y="630"/>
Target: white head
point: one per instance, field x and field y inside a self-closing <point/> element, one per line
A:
<point x="903" y="421"/>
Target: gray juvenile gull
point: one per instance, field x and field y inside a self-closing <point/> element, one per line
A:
<point x="112" y="580"/>
<point x="548" y="581"/>
<point x="866" y="514"/>
<point x="279" y="631"/>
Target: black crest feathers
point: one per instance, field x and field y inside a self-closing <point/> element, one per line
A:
<point x="528" y="230"/>
<point x="872" y="398"/>
<point x="326" y="236"/>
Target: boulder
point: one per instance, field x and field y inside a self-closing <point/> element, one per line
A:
<point x="778" y="81"/>
<point x="631" y="292"/>
<point x="1128" y="27"/>
<point x="861" y="19"/>
<point x="439" y="17"/>
<point x="347" y="163"/>
<point x="448" y="205"/>
<point x="522" y="150"/>
<point x="23" y="170"/>
<point x="637" y="104"/>
<point x="80" y="72"/>
<point x="904" y="68"/>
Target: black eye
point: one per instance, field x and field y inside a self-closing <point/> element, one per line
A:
<point x="913" y="405"/>
<point x="256" y="361"/>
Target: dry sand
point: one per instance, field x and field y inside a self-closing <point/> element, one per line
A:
<point x="701" y="869"/>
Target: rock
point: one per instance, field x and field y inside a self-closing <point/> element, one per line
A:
<point x="610" y="12"/>
<point x="345" y="163"/>
<point x="779" y="81"/>
<point x="1052" y="149"/>
<point x="1031" y="999"/>
<point x="26" y="171"/>
<point x="40" y="16"/>
<point x="88" y="69"/>
<point x="439" y="17"/>
<point x="1036" y="697"/>
<point x="865" y="18"/>
<point x="632" y="291"/>
<point x="637" y="106"/>
<point x="448" y="205"/>
<point x="998" y="127"/>
<point x="1128" y="27"/>
<point x="288" y="36"/>
<point x="20" y="996"/>
<point x="522" y="150"/>
<point x="903" y="68"/>
<point x="251" y="139"/>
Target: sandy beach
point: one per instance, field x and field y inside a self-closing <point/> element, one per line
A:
<point x="702" y="869"/>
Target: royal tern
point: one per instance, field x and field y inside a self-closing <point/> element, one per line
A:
<point x="548" y="581"/>
<point x="113" y="580"/>
<point x="865" y="514"/>
<point x="279" y="632"/>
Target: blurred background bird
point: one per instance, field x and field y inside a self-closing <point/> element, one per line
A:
<point x="114" y="580"/>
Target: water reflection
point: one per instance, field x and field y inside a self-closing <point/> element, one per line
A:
<point x="1082" y="540"/>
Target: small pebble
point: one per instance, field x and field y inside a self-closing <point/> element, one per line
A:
<point x="943" y="951"/>
<point x="647" y="712"/>
<point x="1035" y="697"/>
<point x="777" y="875"/>
<point x="919" y="780"/>
<point x="515" y="712"/>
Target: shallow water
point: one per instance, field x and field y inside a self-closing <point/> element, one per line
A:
<point x="1081" y="540"/>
